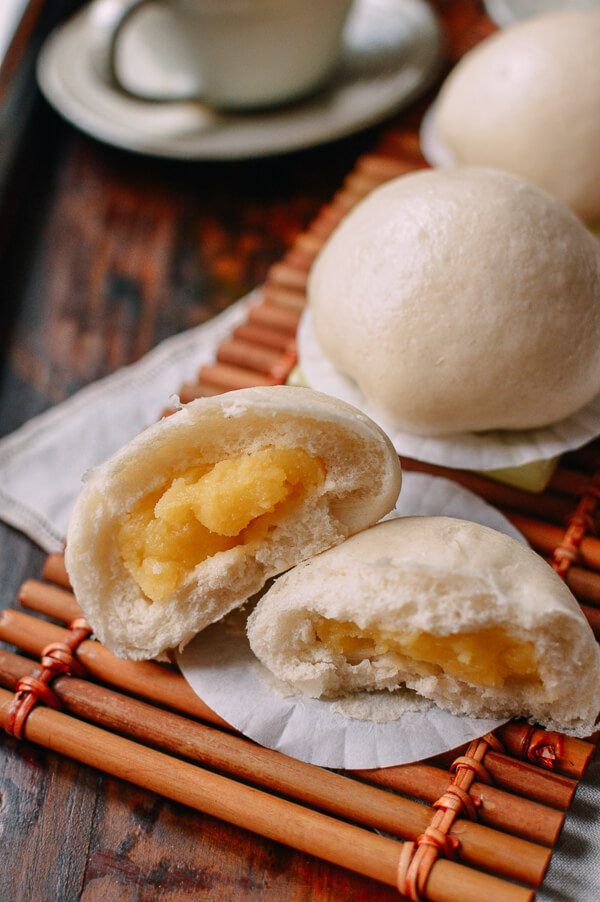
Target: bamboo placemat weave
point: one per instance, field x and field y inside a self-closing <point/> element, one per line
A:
<point x="478" y="823"/>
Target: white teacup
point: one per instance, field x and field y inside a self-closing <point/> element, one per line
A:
<point x="239" y="54"/>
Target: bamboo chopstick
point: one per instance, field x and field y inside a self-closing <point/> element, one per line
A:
<point x="362" y="183"/>
<point x="324" y="223"/>
<point x="383" y="168"/>
<point x="272" y="363"/>
<point x="575" y="756"/>
<point x="299" y="258"/>
<point x="225" y="376"/>
<point x="55" y="570"/>
<point x="265" y="337"/>
<point x="273" y="317"/>
<point x="553" y="507"/>
<point x="308" y="244"/>
<point x="522" y="817"/>
<point x="61" y="605"/>
<point x="277" y="819"/>
<point x="278" y="773"/>
<point x="592" y="615"/>
<point x="569" y="482"/>
<point x="291" y="276"/>
<point x="529" y="780"/>
<point x="545" y="538"/>
<point x="189" y="391"/>
<point x="564" y="481"/>
<point x="144" y="678"/>
<point x="584" y="584"/>
<point x="282" y="296"/>
<point x="54" y="601"/>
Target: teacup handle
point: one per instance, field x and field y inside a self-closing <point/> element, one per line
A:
<point x="107" y="20"/>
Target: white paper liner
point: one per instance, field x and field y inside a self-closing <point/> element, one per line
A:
<point x="221" y="668"/>
<point x="463" y="450"/>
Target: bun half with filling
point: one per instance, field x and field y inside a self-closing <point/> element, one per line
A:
<point x="191" y="518"/>
<point x="462" y="614"/>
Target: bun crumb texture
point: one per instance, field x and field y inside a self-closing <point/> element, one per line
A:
<point x="461" y="614"/>
<point x="191" y="518"/>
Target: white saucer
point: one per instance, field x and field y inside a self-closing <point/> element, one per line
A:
<point x="506" y="12"/>
<point x="392" y="50"/>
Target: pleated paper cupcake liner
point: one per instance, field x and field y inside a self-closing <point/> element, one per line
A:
<point x="464" y="450"/>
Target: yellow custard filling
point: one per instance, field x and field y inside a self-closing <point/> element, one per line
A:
<point x="488" y="657"/>
<point x="210" y="509"/>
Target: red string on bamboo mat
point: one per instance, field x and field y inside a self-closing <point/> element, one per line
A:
<point x="579" y="523"/>
<point x="57" y="658"/>
<point x="541" y="747"/>
<point x="417" y="858"/>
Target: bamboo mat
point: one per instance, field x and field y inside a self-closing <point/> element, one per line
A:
<point x="503" y="854"/>
<point x="142" y="722"/>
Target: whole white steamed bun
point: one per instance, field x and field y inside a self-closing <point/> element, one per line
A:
<point x="527" y="100"/>
<point x="462" y="300"/>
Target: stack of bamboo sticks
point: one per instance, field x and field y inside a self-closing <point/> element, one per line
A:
<point x="145" y="742"/>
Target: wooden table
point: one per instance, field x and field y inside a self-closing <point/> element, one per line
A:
<point x="103" y="255"/>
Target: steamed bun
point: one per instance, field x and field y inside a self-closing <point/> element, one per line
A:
<point x="527" y="100"/>
<point x="460" y="613"/>
<point x="192" y="517"/>
<point x="462" y="300"/>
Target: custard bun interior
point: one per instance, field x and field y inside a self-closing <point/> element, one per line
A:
<point x="190" y="519"/>
<point x="460" y="613"/>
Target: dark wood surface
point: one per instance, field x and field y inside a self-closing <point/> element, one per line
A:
<point x="104" y="254"/>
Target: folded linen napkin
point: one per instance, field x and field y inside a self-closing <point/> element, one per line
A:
<point x="42" y="463"/>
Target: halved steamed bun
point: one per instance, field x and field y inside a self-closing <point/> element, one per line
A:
<point x="464" y="615"/>
<point x="189" y="519"/>
<point x="527" y="100"/>
<point x="462" y="300"/>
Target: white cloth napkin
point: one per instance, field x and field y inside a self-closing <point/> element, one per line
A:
<point x="42" y="463"/>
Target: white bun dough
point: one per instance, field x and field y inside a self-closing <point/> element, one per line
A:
<point x="361" y="485"/>
<point x="443" y="577"/>
<point x="462" y="300"/>
<point x="527" y="100"/>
